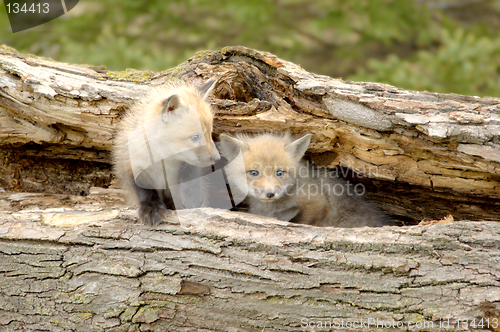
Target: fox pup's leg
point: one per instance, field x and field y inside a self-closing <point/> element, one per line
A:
<point x="151" y="206"/>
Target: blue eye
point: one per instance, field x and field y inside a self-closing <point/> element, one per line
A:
<point x="195" y="138"/>
<point x="253" y="173"/>
<point x="280" y="173"/>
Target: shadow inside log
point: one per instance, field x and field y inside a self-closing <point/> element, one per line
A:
<point x="28" y="169"/>
<point x="409" y="204"/>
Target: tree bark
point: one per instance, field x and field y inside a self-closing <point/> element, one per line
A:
<point x="213" y="270"/>
<point x="409" y="146"/>
<point x="74" y="256"/>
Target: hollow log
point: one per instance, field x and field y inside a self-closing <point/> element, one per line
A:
<point x="420" y="154"/>
<point x="75" y="257"/>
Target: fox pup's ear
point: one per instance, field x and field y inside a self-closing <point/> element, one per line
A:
<point x="171" y="104"/>
<point x="231" y="146"/>
<point x="206" y="88"/>
<point x="298" y="147"/>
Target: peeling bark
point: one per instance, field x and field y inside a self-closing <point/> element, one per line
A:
<point x="99" y="270"/>
<point x="422" y="154"/>
<point x="74" y="257"/>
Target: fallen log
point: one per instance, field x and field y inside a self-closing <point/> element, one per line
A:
<point x="420" y="154"/>
<point x="74" y="256"/>
<point x="93" y="267"/>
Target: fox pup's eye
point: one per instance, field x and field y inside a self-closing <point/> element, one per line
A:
<point x="195" y="138"/>
<point x="280" y="173"/>
<point x="253" y="173"/>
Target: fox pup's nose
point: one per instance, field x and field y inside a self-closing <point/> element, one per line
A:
<point x="214" y="154"/>
<point x="216" y="157"/>
<point x="269" y="194"/>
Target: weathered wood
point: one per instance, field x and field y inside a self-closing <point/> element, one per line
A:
<point x="95" y="268"/>
<point x="444" y="146"/>
<point x="84" y="263"/>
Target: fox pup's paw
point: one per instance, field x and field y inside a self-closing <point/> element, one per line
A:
<point x="153" y="213"/>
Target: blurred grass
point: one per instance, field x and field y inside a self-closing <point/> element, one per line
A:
<point x="421" y="44"/>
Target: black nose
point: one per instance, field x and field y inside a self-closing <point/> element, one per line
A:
<point x="269" y="195"/>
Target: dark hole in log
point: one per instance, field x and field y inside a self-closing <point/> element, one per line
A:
<point x="31" y="169"/>
<point x="27" y="170"/>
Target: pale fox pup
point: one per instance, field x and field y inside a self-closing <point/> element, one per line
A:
<point x="280" y="185"/>
<point x="163" y="142"/>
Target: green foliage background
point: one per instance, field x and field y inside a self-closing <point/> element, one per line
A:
<point x="434" y="45"/>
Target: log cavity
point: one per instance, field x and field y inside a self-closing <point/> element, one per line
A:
<point x="29" y="169"/>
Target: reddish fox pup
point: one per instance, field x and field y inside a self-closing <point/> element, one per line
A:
<point x="166" y="135"/>
<point x="280" y="185"/>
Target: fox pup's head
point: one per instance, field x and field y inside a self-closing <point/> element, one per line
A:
<point x="180" y="126"/>
<point x="271" y="163"/>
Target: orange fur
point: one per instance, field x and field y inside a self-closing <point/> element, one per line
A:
<point x="279" y="185"/>
<point x="156" y="138"/>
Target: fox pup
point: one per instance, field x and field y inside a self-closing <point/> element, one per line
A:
<point x="161" y="147"/>
<point x="280" y="185"/>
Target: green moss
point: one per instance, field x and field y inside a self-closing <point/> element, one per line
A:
<point x="176" y="71"/>
<point x="10" y="50"/>
<point x="86" y="315"/>
<point x="7" y="49"/>
<point x="146" y="314"/>
<point x="130" y="75"/>
<point x="135" y="302"/>
<point x="202" y="55"/>
<point x="312" y="303"/>
<point x="162" y="304"/>
<point x="80" y="298"/>
<point x="128" y="314"/>
<point x="190" y="298"/>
